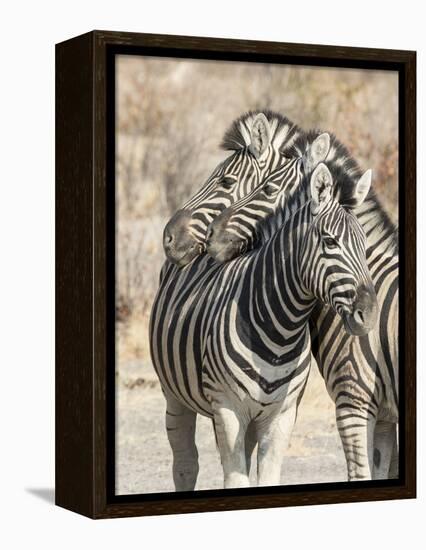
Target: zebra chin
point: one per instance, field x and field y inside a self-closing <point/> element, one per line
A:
<point x="185" y="254"/>
<point x="225" y="252"/>
<point x="364" y="315"/>
<point x="181" y="259"/>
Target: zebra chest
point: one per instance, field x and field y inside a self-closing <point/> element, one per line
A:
<point x="252" y="365"/>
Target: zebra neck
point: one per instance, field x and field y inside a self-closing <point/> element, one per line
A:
<point x="275" y="308"/>
<point x="287" y="208"/>
<point x="382" y="235"/>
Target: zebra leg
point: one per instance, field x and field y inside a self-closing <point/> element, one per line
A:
<point x="384" y="440"/>
<point x="230" y="436"/>
<point x="250" y="444"/>
<point x="273" y="442"/>
<point x="394" y="465"/>
<point x="180" y="426"/>
<point x="357" y="435"/>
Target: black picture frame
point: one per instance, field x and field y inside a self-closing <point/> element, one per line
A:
<point x="85" y="267"/>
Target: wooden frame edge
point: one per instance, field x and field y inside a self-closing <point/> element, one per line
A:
<point x="74" y="384"/>
<point x="81" y="476"/>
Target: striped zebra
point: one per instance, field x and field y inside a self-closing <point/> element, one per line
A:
<point x="361" y="374"/>
<point x="232" y="342"/>
<point x="260" y="142"/>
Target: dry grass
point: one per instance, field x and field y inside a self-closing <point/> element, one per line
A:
<point x="132" y="339"/>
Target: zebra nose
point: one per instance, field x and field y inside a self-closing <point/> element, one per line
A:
<point x="359" y="316"/>
<point x="168" y="238"/>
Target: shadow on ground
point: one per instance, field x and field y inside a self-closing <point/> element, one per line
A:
<point x="45" y="493"/>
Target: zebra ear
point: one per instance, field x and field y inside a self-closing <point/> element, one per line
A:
<point x="363" y="187"/>
<point x="321" y="183"/>
<point x="317" y="152"/>
<point x="260" y="135"/>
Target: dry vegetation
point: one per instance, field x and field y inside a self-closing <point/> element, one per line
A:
<point x="171" y="117"/>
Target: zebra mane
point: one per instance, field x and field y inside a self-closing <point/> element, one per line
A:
<point x="286" y="135"/>
<point x="288" y="206"/>
<point x="345" y="172"/>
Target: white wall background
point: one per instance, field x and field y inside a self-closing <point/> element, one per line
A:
<point x="29" y="31"/>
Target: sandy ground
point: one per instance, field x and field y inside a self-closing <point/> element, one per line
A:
<point x="143" y="461"/>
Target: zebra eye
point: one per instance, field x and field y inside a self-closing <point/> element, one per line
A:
<point x="330" y="242"/>
<point x="227" y="181"/>
<point x="269" y="190"/>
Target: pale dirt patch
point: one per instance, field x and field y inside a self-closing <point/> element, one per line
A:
<point x="143" y="462"/>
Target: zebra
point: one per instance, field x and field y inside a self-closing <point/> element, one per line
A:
<point x="260" y="141"/>
<point x="231" y="341"/>
<point x="361" y="374"/>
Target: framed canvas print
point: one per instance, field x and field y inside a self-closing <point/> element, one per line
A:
<point x="235" y="282"/>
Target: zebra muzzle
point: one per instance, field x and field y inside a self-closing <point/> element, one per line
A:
<point x="364" y="313"/>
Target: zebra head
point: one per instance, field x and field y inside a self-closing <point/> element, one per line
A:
<point x="257" y="141"/>
<point x="332" y="256"/>
<point x="235" y="230"/>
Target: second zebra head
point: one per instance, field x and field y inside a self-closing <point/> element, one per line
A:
<point x="241" y="226"/>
